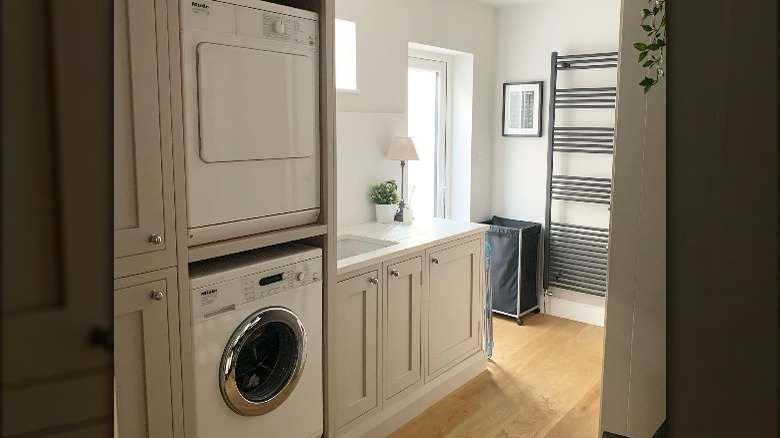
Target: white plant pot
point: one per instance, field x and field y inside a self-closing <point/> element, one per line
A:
<point x="385" y="213"/>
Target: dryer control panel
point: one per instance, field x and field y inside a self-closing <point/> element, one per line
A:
<point x="252" y="18"/>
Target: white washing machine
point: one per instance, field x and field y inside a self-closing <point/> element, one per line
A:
<point x="250" y="88"/>
<point x="257" y="343"/>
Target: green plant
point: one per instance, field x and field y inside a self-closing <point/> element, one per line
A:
<point x="656" y="30"/>
<point x="384" y="193"/>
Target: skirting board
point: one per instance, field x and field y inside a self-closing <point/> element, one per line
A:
<point x="575" y="306"/>
<point x="395" y="416"/>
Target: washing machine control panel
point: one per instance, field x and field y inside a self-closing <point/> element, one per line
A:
<point x="266" y="284"/>
<point x="223" y="286"/>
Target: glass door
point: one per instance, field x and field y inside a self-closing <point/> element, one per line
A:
<point x="428" y="187"/>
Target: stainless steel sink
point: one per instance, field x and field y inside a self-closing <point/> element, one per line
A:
<point x="350" y="246"/>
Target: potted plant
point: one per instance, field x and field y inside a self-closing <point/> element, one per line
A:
<point x="386" y="199"/>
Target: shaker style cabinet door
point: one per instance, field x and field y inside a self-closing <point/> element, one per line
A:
<point x="453" y="304"/>
<point x="357" y="346"/>
<point x="402" y="302"/>
<point x="144" y="233"/>
<point x="142" y="371"/>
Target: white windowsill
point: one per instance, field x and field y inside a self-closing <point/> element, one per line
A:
<point x="348" y="90"/>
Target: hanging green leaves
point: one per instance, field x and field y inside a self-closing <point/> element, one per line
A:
<point x="654" y="23"/>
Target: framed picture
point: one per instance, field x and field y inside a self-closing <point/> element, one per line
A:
<point x="521" y="115"/>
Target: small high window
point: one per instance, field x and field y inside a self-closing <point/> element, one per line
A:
<point x="346" y="56"/>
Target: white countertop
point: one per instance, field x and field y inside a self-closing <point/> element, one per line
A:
<point x="409" y="237"/>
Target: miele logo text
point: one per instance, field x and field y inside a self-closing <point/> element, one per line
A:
<point x="208" y="292"/>
<point x="200" y="5"/>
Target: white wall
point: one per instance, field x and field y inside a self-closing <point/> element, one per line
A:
<point x="527" y="35"/>
<point x="384" y="31"/>
<point x="633" y="400"/>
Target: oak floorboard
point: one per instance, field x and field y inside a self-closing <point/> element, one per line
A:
<point x="543" y="380"/>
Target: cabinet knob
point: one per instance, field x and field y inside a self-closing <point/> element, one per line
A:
<point x="434" y="260"/>
<point x="394" y="273"/>
<point x="157" y="295"/>
<point x="373" y="280"/>
<point x="155" y="239"/>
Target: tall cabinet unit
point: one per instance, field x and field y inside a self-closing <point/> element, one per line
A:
<point x="146" y="292"/>
<point x="153" y="373"/>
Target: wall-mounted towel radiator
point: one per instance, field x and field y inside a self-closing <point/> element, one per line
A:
<point x="575" y="255"/>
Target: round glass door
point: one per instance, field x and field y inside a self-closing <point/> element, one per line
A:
<point x="263" y="361"/>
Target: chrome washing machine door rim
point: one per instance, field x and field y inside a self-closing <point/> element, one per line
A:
<point x="248" y="332"/>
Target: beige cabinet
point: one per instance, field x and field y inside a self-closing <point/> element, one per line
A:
<point x="454" y="291"/>
<point x="142" y="371"/>
<point x="401" y="313"/>
<point x="144" y="236"/>
<point x="357" y="346"/>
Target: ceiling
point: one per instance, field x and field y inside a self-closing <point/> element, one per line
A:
<point x="508" y="2"/>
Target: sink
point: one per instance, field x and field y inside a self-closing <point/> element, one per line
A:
<point x="349" y="245"/>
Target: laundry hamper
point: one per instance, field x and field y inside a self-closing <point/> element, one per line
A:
<point x="513" y="266"/>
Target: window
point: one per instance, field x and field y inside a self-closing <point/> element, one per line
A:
<point x="346" y="57"/>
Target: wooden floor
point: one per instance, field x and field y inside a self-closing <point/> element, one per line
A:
<point x="544" y="380"/>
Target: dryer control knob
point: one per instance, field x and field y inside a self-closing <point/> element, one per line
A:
<point x="301" y="276"/>
<point x="279" y="27"/>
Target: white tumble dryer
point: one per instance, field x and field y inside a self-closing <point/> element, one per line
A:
<point x="257" y="343"/>
<point x="250" y="84"/>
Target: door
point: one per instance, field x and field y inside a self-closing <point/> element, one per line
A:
<point x="429" y="113"/>
<point x="143" y="172"/>
<point x="142" y="370"/>
<point x="402" y="302"/>
<point x="263" y="361"/>
<point x="453" y="304"/>
<point x="52" y="298"/>
<point x="255" y="104"/>
<point x="357" y="346"/>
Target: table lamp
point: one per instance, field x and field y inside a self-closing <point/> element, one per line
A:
<point x="402" y="148"/>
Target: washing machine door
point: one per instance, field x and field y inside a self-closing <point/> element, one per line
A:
<point x="263" y="361"/>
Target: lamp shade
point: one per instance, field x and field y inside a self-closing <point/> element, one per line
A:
<point x="402" y="149"/>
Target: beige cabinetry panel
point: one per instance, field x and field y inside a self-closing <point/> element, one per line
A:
<point x="142" y="370"/>
<point x="357" y="346"/>
<point x="144" y="236"/>
<point x="453" y="303"/>
<point x="402" y="323"/>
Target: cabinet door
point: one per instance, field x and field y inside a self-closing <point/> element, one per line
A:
<point x="142" y="369"/>
<point x="453" y="303"/>
<point x="143" y="172"/>
<point x="402" y="300"/>
<point x="357" y="347"/>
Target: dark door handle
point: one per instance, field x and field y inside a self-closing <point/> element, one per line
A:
<point x="103" y="336"/>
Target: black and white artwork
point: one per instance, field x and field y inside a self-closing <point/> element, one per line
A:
<point x="522" y="112"/>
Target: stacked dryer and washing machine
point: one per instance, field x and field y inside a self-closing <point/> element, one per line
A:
<point x="250" y="81"/>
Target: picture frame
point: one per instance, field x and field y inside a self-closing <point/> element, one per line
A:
<point x="521" y="113"/>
